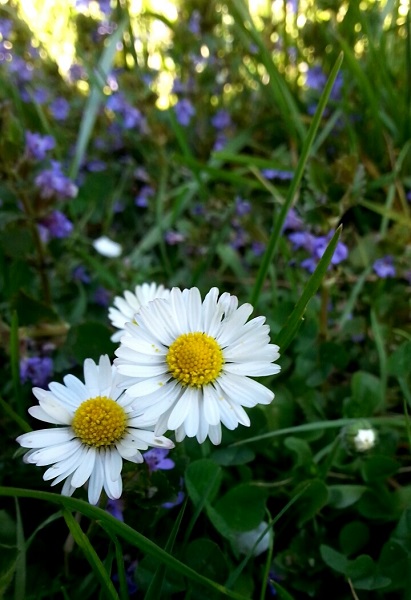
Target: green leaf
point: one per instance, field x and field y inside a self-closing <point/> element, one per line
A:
<point x="302" y="450"/>
<point x="233" y="456"/>
<point x="365" y="395"/>
<point x="198" y="476"/>
<point x="354" y="536"/>
<point x="315" y="498"/>
<point x="205" y="556"/>
<point x="31" y="311"/>
<point x="242" y="508"/>
<point x="399" y="362"/>
<point x="335" y="560"/>
<point x="89" y="340"/>
<point x="342" y="496"/>
<point x="379" y="467"/>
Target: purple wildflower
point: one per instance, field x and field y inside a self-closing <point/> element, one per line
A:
<point x="194" y="24"/>
<point x="173" y="237"/>
<point x="220" y="142"/>
<point x="142" y="198"/>
<point x="221" y="120"/>
<point x="293" y="221"/>
<point x="258" y="248"/>
<point x="156" y="460"/>
<point x="57" y="225"/>
<point x="184" y="111"/>
<point x="36" y="369"/>
<point x="178" y="499"/>
<point x="6" y="27"/>
<point x="53" y="183"/>
<point x="242" y="207"/>
<point x="115" y="508"/>
<point x="60" y="108"/>
<point x="102" y="297"/>
<point x="81" y="275"/>
<point x="38" y="145"/>
<point x="277" y="174"/>
<point x="76" y="72"/>
<point x="384" y="267"/>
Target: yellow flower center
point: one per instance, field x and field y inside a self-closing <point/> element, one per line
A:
<point x="195" y="359"/>
<point x="99" y="422"/>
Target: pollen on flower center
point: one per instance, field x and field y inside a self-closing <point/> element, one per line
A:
<point x="195" y="359"/>
<point x="99" y="422"/>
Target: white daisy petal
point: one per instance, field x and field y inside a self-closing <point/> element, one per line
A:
<point x="254" y="369"/>
<point x="181" y="409"/>
<point x="103" y="428"/>
<point x="91" y="377"/>
<point x="38" y="413"/>
<point x="205" y="354"/>
<point x="84" y="470"/>
<point x="95" y="485"/>
<point x="66" y="396"/>
<point x="45" y="437"/>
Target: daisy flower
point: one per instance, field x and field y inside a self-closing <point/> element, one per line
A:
<point x="187" y="363"/>
<point x="100" y="429"/>
<point x="125" y="308"/>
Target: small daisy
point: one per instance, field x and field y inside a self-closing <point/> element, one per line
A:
<point x="127" y="307"/>
<point x="100" y="430"/>
<point x="187" y="363"/>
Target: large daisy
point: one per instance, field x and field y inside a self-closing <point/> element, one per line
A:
<point x="126" y="307"/>
<point x="187" y="363"/>
<point x="100" y="429"/>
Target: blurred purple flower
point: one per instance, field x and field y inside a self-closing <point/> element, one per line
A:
<point x="221" y="120"/>
<point x="6" y="27"/>
<point x="102" y="297"/>
<point x="80" y="274"/>
<point x="156" y="460"/>
<point x="173" y="237"/>
<point x="22" y="70"/>
<point x="36" y="369"/>
<point x="242" y="207"/>
<point x="76" y="72"/>
<point x="258" y="248"/>
<point x="184" y="111"/>
<point x="316" y="80"/>
<point x="53" y="182"/>
<point x="384" y="267"/>
<point x="57" y="225"/>
<point x="293" y="221"/>
<point x="38" y="145"/>
<point x="302" y="239"/>
<point x="195" y="22"/>
<point x="115" y="508"/>
<point x="178" y="499"/>
<point x="60" y="108"/>
<point x="277" y="174"/>
<point x="142" y="198"/>
<point x="220" y="142"/>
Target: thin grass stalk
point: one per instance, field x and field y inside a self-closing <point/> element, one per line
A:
<point x="306" y="151"/>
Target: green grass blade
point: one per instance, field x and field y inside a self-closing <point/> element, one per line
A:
<point x="122" y="530"/>
<point x="318" y="426"/>
<point x="20" y="575"/>
<point x="24" y="426"/>
<point x="305" y="153"/>
<point x="95" y="98"/>
<point x="15" y="362"/>
<point x="156" y="584"/>
<point x="83" y="542"/>
<point x="293" y="322"/>
<point x="277" y="84"/>
<point x="382" y="355"/>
